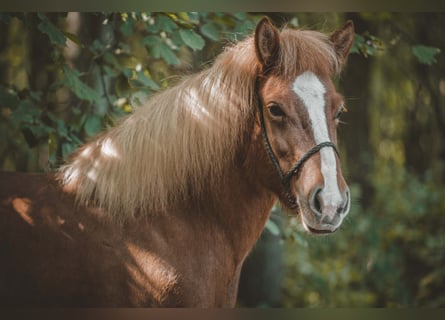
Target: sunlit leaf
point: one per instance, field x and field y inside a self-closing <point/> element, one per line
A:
<point x="74" y="38"/>
<point x="189" y="18"/>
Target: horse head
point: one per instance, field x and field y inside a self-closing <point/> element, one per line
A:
<point x="298" y="114"/>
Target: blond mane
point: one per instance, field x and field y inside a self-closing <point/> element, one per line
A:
<point x="184" y="139"/>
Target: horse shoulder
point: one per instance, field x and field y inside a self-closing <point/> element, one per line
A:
<point x="55" y="252"/>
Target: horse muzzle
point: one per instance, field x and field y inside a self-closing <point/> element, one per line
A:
<point x="323" y="212"/>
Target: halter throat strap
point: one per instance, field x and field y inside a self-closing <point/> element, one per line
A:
<point x="297" y="167"/>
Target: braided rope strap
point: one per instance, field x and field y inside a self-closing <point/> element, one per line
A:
<point x="295" y="170"/>
<point x="292" y="201"/>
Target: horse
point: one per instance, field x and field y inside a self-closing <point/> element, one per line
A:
<point x="162" y="209"/>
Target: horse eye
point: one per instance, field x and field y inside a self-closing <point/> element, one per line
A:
<point x="340" y="112"/>
<point x="276" y="111"/>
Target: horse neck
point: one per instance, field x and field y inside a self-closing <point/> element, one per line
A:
<point x="230" y="214"/>
<point x="242" y="202"/>
<point x="246" y="211"/>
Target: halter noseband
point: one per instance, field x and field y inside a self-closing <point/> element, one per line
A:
<point x="296" y="168"/>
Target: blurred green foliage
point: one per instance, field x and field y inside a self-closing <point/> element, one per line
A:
<point x="66" y="77"/>
<point x="89" y="79"/>
<point x="390" y="254"/>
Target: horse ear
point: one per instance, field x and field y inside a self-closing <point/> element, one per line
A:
<point x="267" y="43"/>
<point x="342" y="40"/>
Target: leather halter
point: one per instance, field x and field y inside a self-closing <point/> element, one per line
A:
<point x="296" y="168"/>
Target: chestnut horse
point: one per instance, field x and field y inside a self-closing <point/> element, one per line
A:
<point x="162" y="209"/>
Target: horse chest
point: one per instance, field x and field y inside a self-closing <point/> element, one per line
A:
<point x="169" y="270"/>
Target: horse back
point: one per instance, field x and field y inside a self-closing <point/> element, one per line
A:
<point x="52" y="253"/>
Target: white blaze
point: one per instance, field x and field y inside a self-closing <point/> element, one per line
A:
<point x="311" y="91"/>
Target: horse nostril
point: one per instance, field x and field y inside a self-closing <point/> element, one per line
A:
<point x="340" y="210"/>
<point x="346" y="203"/>
<point x="316" y="201"/>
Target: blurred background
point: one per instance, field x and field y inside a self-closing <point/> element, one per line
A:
<point x="64" y="77"/>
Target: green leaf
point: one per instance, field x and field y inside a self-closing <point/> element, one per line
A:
<point x="54" y="34"/>
<point x="93" y="124"/>
<point x="61" y="128"/>
<point x="176" y="39"/>
<point x="240" y="16"/>
<point x="192" y="39"/>
<point x="273" y="228"/>
<point x="97" y="47"/>
<point x="159" y="49"/>
<point x="151" y="41"/>
<point x="127" y="27"/>
<point x="167" y="54"/>
<point x="294" y="22"/>
<point x="211" y="31"/>
<point x="366" y="45"/>
<point x="40" y="130"/>
<point x="74" y="38"/>
<point x="194" y="17"/>
<point x="187" y="19"/>
<point x="164" y="23"/>
<point x="108" y="71"/>
<point x="424" y="54"/>
<point x="129" y="73"/>
<point x="111" y="60"/>
<point x="147" y="81"/>
<point x="67" y="148"/>
<point x="244" y="27"/>
<point x="80" y="89"/>
<point x="357" y="44"/>
<point x="8" y="98"/>
<point x="26" y="112"/>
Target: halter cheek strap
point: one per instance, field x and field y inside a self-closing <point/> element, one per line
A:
<point x="296" y="168"/>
